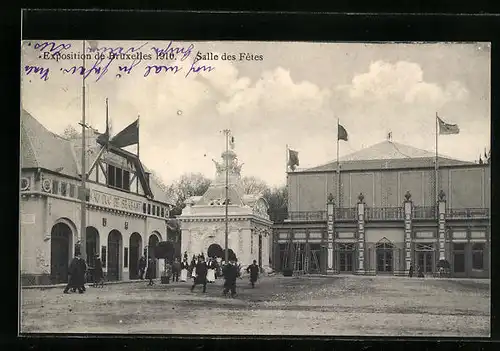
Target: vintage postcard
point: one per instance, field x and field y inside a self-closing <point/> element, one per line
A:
<point x="255" y="188"/>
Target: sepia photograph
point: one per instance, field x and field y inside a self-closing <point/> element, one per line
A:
<point x="255" y="188"/>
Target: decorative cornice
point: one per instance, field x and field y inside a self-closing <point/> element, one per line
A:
<point x="27" y="194"/>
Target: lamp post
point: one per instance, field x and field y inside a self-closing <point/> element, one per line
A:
<point x="226" y="237"/>
<point x="83" y="192"/>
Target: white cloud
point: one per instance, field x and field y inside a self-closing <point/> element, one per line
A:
<point x="403" y="81"/>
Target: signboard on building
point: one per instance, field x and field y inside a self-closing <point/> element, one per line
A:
<point x="116" y="202"/>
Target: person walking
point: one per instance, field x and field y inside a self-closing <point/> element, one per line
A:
<point x="76" y="275"/>
<point x="142" y="267"/>
<point x="201" y="274"/>
<point x="98" y="273"/>
<point x="410" y="273"/>
<point x="211" y="271"/>
<point x="150" y="270"/>
<point x="184" y="270"/>
<point x="253" y="269"/>
<point x="194" y="262"/>
<point x="420" y="272"/>
<point x="230" y="274"/>
<point x="176" y="269"/>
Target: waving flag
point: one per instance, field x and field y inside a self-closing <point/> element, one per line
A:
<point x="342" y="133"/>
<point x="446" y="128"/>
<point x="293" y="159"/>
<point x="128" y="136"/>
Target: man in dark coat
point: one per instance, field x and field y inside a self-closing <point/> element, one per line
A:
<point x="253" y="269"/>
<point x="176" y="270"/>
<point x="76" y="274"/>
<point x="410" y="273"/>
<point x="201" y="274"/>
<point x="230" y="272"/>
<point x="142" y="267"/>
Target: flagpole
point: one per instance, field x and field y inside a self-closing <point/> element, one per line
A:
<point x="286" y="160"/>
<point x="436" y="173"/>
<point x="138" y="135"/>
<point x="83" y="194"/>
<point x="226" y="237"/>
<point x="338" y="165"/>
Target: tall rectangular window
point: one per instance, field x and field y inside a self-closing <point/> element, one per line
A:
<point x="126" y="180"/>
<point x="163" y="212"/>
<point x="71" y="190"/>
<point x="478" y="256"/>
<point x="111" y="176"/>
<point x="64" y="188"/>
<point x="119" y="178"/>
<point x="55" y="187"/>
<point x="459" y="257"/>
<point x="125" y="257"/>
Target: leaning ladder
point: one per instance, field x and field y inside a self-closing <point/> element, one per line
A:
<point x="296" y="269"/>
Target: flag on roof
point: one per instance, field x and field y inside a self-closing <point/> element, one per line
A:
<point x="293" y="159"/>
<point x="128" y="136"/>
<point x="446" y="128"/>
<point x="342" y="133"/>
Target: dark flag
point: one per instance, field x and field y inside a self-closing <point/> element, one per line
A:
<point x="342" y="133"/>
<point x="446" y="129"/>
<point x="128" y="136"/>
<point x="293" y="159"/>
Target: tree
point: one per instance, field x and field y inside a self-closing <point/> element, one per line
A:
<point x="70" y="132"/>
<point x="190" y="184"/>
<point x="254" y="185"/>
<point x="277" y="198"/>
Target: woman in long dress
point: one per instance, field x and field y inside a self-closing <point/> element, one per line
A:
<point x="211" y="271"/>
<point x="193" y="268"/>
<point x="184" y="270"/>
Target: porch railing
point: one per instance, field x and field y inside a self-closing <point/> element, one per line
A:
<point x="384" y="213"/>
<point x="466" y="213"/>
<point x="424" y="212"/>
<point x="307" y="216"/>
<point x="347" y="213"/>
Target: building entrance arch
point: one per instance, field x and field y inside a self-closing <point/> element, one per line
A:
<point x="61" y="243"/>
<point x="152" y="244"/>
<point x="114" y="255"/>
<point x="91" y="244"/>
<point x="215" y="250"/>
<point x="135" y="243"/>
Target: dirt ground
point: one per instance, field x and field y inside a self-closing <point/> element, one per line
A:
<point x="341" y="305"/>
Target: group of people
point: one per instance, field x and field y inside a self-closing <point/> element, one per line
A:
<point x="420" y="272"/>
<point x="201" y="271"/>
<point x="77" y="274"/>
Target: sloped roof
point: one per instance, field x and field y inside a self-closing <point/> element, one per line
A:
<point x="41" y="148"/>
<point x="388" y="155"/>
<point x="219" y="192"/>
<point x="44" y="149"/>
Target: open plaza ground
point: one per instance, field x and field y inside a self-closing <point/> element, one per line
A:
<point x="307" y="305"/>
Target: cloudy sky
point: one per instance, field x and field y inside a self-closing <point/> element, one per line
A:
<point x="293" y="96"/>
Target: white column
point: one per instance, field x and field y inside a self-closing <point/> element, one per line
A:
<point x="330" y="233"/>
<point x="361" y="238"/>
<point x="442" y="227"/>
<point x="408" y="223"/>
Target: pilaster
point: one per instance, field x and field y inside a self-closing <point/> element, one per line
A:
<point x="361" y="235"/>
<point x="442" y="225"/>
<point x="330" y="232"/>
<point x="407" y="207"/>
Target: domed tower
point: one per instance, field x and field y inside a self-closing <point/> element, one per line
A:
<point x="229" y="160"/>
